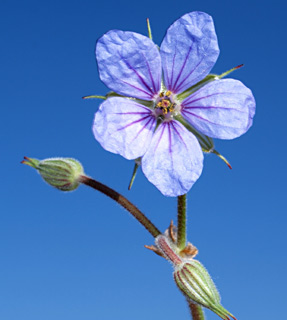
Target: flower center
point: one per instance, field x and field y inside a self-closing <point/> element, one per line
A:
<point x="165" y="106"/>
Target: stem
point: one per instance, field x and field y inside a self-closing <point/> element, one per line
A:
<point x="124" y="202"/>
<point x="181" y="222"/>
<point x="195" y="311"/>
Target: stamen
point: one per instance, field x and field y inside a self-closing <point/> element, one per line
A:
<point x="165" y="103"/>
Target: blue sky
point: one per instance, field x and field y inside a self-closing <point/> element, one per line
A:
<point x="79" y="255"/>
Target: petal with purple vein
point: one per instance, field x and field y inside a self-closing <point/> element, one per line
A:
<point x="129" y="64"/>
<point x="174" y="160"/>
<point x="222" y="109"/>
<point x="124" y="127"/>
<point x="188" y="51"/>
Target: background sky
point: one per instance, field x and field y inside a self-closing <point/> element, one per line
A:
<point x="79" y="256"/>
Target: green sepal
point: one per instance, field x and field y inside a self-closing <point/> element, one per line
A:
<point x="200" y="84"/>
<point x="136" y="166"/>
<point x="206" y="80"/>
<point x="149" y="29"/>
<point x="31" y="162"/>
<point x="205" y="142"/>
<point x="113" y="94"/>
<point x="94" y="97"/>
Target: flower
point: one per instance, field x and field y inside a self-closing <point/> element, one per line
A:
<point x="155" y="107"/>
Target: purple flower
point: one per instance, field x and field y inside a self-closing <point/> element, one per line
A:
<point x="152" y="119"/>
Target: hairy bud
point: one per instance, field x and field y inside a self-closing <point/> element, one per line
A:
<point x="192" y="279"/>
<point x="61" y="173"/>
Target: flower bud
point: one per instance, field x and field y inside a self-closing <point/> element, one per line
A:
<point x="61" y="173"/>
<point x="192" y="279"/>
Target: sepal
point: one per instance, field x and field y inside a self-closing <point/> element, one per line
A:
<point x="206" y="80"/>
<point x="200" y="84"/>
<point x="136" y="166"/>
<point x="205" y="142"/>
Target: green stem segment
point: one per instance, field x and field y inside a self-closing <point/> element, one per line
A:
<point x="124" y="202"/>
<point x="181" y="222"/>
<point x="195" y="311"/>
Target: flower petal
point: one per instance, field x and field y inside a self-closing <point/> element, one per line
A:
<point x="123" y="126"/>
<point x="221" y="109"/>
<point x="129" y="64"/>
<point x="174" y="160"/>
<point x="188" y="51"/>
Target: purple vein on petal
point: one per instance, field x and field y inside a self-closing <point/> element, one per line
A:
<point x="178" y="89"/>
<point x="160" y="137"/>
<point x="203" y="119"/>
<point x="180" y="84"/>
<point x="169" y="138"/>
<point x="182" y="67"/>
<point x="139" y="76"/>
<point x="213" y="107"/>
<point x="169" y="80"/>
<point x="131" y="85"/>
<point x="124" y="113"/>
<point x="173" y="60"/>
<point x="150" y="122"/>
<point x="150" y="75"/>
<point x="201" y="98"/>
<point x="173" y="123"/>
<point x="133" y="122"/>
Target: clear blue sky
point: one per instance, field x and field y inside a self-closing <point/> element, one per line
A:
<point x="79" y="256"/>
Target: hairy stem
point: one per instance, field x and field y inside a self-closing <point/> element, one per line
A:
<point x="124" y="202"/>
<point x="195" y="311"/>
<point x="181" y="221"/>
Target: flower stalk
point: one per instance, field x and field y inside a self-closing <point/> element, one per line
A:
<point x="181" y="222"/>
<point x="195" y="311"/>
<point x="124" y="202"/>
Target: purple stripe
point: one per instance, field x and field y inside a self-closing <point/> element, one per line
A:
<point x="150" y="120"/>
<point x="170" y="143"/>
<point x="163" y="128"/>
<point x="180" y="72"/>
<point x="169" y="139"/>
<point x="139" y="76"/>
<point x="217" y="124"/>
<point x="198" y="99"/>
<point x="121" y="113"/>
<point x="174" y="123"/>
<point x="178" y="89"/>
<point x="186" y="101"/>
<point x="134" y="122"/>
<point x="213" y="107"/>
<point x="173" y="60"/>
<point x="155" y="89"/>
<point x="146" y="92"/>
